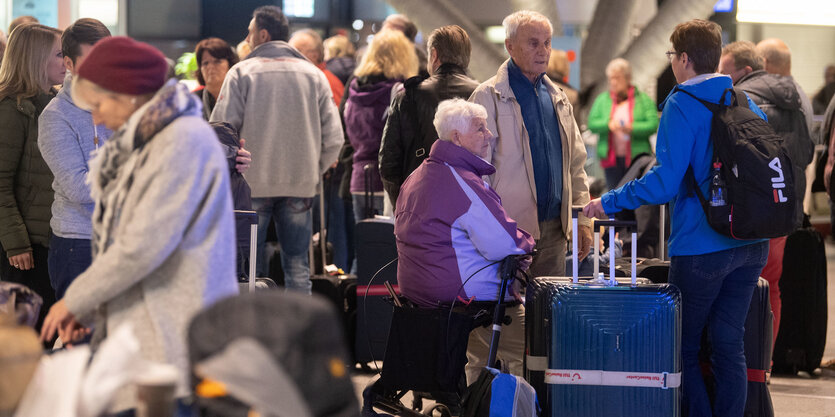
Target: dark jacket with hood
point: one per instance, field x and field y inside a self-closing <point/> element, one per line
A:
<point x="25" y="179"/>
<point x="779" y="99"/>
<point x="410" y="132"/>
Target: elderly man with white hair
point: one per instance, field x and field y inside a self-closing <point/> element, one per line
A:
<point x="451" y="230"/>
<point x="539" y="153"/>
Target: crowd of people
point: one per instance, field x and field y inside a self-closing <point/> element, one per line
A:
<point x="116" y="204"/>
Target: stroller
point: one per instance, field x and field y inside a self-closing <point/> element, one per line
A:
<point x="426" y="354"/>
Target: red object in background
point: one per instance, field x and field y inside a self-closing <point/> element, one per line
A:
<point x="571" y="55"/>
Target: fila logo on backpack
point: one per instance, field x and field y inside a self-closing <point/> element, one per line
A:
<point x="756" y="170"/>
<point x="778" y="183"/>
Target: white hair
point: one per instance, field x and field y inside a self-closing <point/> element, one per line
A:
<point x="512" y="22"/>
<point x="619" y="65"/>
<point x="456" y="114"/>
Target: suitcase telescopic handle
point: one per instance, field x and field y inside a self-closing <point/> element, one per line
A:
<point x="575" y="235"/>
<point x="632" y="226"/>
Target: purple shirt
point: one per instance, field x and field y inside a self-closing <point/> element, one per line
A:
<point x="449" y="224"/>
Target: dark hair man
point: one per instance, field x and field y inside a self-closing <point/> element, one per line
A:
<point x="716" y="274"/>
<point x="409" y="132"/>
<point x="778" y="98"/>
<point x="282" y="104"/>
<point x="268" y="24"/>
<point x="67" y="138"/>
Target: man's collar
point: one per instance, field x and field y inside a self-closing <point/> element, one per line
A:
<point x="513" y="71"/>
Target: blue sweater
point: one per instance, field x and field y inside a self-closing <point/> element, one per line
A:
<point x="65" y="139"/>
<point x="683" y="140"/>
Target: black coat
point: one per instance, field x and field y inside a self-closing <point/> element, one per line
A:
<point x="409" y="132"/>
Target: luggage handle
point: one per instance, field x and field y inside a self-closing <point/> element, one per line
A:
<point x="575" y="234"/>
<point x="612" y="224"/>
<point x="252" y="217"/>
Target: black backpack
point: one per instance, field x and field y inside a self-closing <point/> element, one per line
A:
<point x="756" y="170"/>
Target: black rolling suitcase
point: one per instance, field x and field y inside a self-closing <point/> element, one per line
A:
<point x="376" y="264"/>
<point x="757" y="339"/>
<point x="334" y="288"/>
<point x="376" y="255"/>
<point x="759" y="329"/>
<point x="802" y="335"/>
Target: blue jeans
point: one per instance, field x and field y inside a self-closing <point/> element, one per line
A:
<point x="67" y="259"/>
<point x="293" y="225"/>
<point x="716" y="291"/>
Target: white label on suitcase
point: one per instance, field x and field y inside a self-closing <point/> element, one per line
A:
<point x="661" y="380"/>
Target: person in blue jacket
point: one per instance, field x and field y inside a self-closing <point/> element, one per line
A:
<point x="716" y="274"/>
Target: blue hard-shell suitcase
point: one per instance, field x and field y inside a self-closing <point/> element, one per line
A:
<point x="615" y="349"/>
<point x="539" y="293"/>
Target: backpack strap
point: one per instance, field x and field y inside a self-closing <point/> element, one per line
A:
<point x="690" y="178"/>
<point x="737" y="97"/>
<point x="713" y="107"/>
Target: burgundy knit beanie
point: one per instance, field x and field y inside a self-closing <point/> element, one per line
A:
<point x="123" y="65"/>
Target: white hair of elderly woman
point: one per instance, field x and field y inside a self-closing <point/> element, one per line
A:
<point x="619" y="65"/>
<point x="512" y="22"/>
<point x="456" y="114"/>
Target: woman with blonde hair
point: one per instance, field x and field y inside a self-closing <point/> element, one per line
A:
<point x="389" y="60"/>
<point x="32" y="64"/>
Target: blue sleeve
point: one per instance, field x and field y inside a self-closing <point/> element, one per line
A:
<point x="673" y="150"/>
<point x="754" y="108"/>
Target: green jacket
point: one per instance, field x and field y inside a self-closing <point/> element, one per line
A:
<point x="644" y="122"/>
<point x="25" y="179"/>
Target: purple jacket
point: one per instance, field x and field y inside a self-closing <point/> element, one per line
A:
<point x="449" y="224"/>
<point x="365" y="117"/>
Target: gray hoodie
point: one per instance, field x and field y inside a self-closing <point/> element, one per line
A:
<point x="283" y="106"/>
<point x="65" y="138"/>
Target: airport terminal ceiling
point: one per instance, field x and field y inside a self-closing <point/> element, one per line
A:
<point x="176" y="25"/>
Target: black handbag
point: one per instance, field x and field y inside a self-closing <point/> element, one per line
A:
<point x="426" y="349"/>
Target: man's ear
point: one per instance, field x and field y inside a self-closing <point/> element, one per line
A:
<point x="264" y="36"/>
<point x="686" y="61"/>
<point x="69" y="65"/>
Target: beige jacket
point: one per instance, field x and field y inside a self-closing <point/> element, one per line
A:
<point x="514" y="180"/>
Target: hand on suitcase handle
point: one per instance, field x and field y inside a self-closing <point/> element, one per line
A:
<point x="594" y="209"/>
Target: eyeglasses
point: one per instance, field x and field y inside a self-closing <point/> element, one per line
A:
<point x="670" y="54"/>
